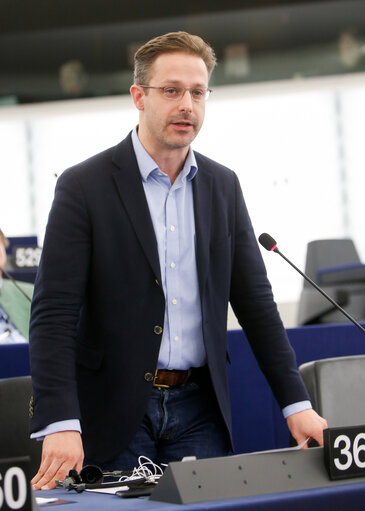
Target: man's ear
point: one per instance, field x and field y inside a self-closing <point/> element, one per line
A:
<point x="137" y="96"/>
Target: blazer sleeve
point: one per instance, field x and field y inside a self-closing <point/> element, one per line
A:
<point x="252" y="300"/>
<point x="58" y="295"/>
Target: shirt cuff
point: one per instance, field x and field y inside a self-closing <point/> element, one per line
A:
<point x="300" y="406"/>
<point x="56" y="427"/>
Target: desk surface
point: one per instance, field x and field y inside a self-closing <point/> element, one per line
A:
<point x="341" y="498"/>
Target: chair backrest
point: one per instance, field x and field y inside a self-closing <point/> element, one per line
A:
<point x="335" y="266"/>
<point x="336" y="387"/>
<point x="14" y="422"/>
<point x="329" y="254"/>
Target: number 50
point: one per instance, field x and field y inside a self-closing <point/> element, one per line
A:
<point x="7" y="492"/>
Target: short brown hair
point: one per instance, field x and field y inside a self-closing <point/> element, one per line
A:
<point x="3" y="239"/>
<point x="171" y="43"/>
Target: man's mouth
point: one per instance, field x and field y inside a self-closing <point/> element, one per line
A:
<point x="183" y="123"/>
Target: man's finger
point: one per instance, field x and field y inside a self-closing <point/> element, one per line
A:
<point x="302" y="441"/>
<point x="59" y="476"/>
<point x="78" y="466"/>
<point x="44" y="466"/>
<point x="48" y="475"/>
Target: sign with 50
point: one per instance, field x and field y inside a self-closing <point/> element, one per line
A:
<point x="14" y="485"/>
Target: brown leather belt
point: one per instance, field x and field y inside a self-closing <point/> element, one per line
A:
<point x="166" y="378"/>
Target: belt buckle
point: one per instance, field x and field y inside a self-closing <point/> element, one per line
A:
<point x="162" y="386"/>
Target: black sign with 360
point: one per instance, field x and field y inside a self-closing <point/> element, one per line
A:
<point x="344" y="452"/>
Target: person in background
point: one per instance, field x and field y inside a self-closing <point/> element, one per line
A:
<point x="9" y="332"/>
<point x="146" y="244"/>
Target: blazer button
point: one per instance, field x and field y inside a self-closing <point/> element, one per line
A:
<point x="158" y="330"/>
<point x="31" y="407"/>
<point x="148" y="376"/>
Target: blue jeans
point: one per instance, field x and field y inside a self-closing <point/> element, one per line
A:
<point x="179" y="421"/>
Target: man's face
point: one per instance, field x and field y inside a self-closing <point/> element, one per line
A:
<point x="172" y="123"/>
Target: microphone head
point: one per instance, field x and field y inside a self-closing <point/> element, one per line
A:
<point x="268" y="242"/>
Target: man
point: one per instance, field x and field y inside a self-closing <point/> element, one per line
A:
<point x="14" y="303"/>
<point x="146" y="244"/>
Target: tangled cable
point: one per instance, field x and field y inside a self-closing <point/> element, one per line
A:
<point x="146" y="470"/>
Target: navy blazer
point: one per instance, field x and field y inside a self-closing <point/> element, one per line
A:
<point x="98" y="306"/>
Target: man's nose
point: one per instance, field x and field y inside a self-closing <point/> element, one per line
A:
<point x="186" y="102"/>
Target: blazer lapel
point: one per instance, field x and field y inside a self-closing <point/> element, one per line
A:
<point x="130" y="188"/>
<point x="202" y="189"/>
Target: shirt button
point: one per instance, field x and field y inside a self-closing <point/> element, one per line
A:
<point x="148" y="376"/>
<point x="176" y="338"/>
<point x="174" y="301"/>
<point x="172" y="265"/>
<point x="172" y="228"/>
<point x="157" y="329"/>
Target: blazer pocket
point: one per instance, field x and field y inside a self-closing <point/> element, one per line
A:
<point x="89" y="357"/>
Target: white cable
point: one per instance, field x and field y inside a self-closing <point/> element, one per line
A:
<point x="146" y="470"/>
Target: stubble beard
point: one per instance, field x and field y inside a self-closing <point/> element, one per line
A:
<point x="185" y="142"/>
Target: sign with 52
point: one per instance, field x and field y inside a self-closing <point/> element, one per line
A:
<point x="27" y="257"/>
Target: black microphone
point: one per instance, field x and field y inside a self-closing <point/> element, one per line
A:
<point x="270" y="244"/>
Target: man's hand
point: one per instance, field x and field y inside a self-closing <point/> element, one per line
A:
<point x="60" y="453"/>
<point x="306" y="424"/>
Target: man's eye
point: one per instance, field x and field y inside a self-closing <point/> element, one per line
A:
<point x="198" y="93"/>
<point x="170" y="91"/>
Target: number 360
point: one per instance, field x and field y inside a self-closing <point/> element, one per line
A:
<point x="350" y="456"/>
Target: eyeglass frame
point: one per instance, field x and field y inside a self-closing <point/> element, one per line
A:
<point x="182" y="91"/>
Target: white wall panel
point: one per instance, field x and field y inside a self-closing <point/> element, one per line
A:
<point x="15" y="203"/>
<point x="284" y="150"/>
<point x="353" y="118"/>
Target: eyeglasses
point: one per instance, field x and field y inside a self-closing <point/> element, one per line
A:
<point x="197" y="94"/>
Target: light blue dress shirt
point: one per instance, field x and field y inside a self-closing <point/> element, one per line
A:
<point x="172" y="212"/>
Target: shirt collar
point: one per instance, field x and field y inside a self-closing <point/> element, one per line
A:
<point x="147" y="165"/>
